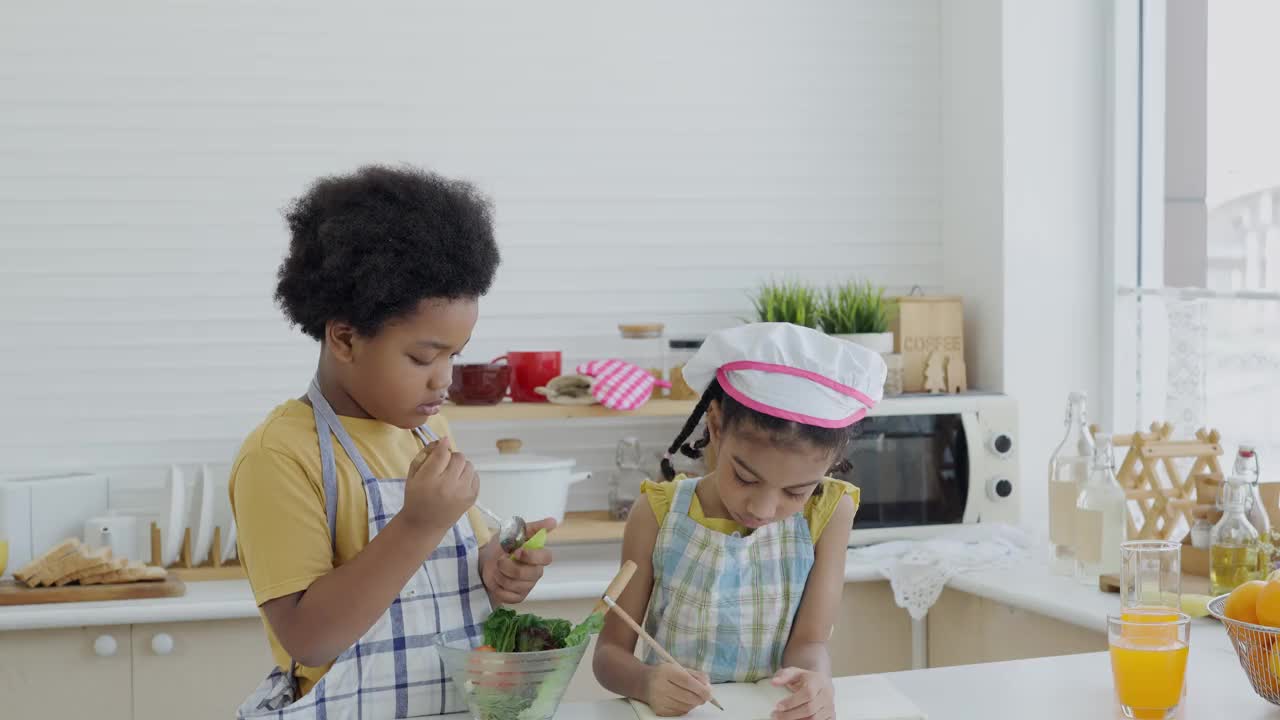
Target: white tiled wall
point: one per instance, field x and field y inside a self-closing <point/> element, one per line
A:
<point x="647" y="161"/>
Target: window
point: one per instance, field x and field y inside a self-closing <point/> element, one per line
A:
<point x="1197" y="317"/>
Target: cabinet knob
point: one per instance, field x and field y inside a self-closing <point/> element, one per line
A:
<point x="105" y="646"/>
<point x="162" y="644"/>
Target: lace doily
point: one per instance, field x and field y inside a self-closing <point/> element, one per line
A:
<point x="1185" y="396"/>
<point x="918" y="570"/>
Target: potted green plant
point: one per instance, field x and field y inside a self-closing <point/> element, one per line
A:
<point x="787" y="301"/>
<point x="857" y="312"/>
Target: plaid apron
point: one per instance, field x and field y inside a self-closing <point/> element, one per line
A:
<point x="393" y="671"/>
<point x="724" y="604"/>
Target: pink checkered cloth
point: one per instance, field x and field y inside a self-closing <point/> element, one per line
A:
<point x="620" y="385"/>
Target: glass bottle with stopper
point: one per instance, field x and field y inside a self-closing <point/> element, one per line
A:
<point x="1246" y="466"/>
<point x="1101" y="519"/>
<point x="1233" y="544"/>
<point x="1068" y="470"/>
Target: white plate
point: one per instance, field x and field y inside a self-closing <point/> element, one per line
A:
<point x="229" y="543"/>
<point x="173" y="519"/>
<point x="201" y="522"/>
<point x="220" y="473"/>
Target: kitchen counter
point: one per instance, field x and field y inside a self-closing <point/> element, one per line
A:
<point x="578" y="573"/>
<point x="1069" y="687"/>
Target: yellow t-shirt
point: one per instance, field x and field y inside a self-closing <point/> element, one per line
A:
<point x="277" y="496"/>
<point x="818" y="510"/>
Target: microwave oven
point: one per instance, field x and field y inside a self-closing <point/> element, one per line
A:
<point x="926" y="463"/>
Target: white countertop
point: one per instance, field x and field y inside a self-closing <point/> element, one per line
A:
<point x="578" y="573"/>
<point x="1070" y="687"/>
<point x="1074" y="686"/>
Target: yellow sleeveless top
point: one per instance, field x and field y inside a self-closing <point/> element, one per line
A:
<point x="818" y="510"/>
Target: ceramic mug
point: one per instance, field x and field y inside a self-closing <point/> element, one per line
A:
<point x="531" y="370"/>
<point x="479" y="383"/>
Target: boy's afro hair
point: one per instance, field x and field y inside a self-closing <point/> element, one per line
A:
<point x="369" y="246"/>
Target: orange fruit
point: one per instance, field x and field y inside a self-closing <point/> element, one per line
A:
<point x="1268" y="604"/>
<point x="1242" y="603"/>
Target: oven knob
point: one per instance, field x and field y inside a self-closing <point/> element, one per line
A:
<point x="999" y="488"/>
<point x="1001" y="444"/>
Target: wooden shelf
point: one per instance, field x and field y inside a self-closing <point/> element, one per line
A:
<point x="587" y="527"/>
<point x="509" y="411"/>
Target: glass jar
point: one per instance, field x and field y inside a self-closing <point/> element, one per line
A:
<point x="893" y="384"/>
<point x="643" y="346"/>
<point x="679" y="352"/>
<point x="1201" y="530"/>
<point x="624" y="484"/>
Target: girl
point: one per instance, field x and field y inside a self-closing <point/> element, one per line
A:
<point x="349" y="508"/>
<point x="741" y="571"/>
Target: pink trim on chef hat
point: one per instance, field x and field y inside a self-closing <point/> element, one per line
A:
<point x="791" y="372"/>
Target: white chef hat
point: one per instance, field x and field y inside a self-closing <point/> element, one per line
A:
<point x="791" y="372"/>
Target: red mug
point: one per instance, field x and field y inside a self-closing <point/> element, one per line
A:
<point x="479" y="383"/>
<point x="531" y="370"/>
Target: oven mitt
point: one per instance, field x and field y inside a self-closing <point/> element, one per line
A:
<point x="568" y="390"/>
<point x="620" y="385"/>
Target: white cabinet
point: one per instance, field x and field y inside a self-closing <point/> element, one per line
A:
<point x="72" y="673"/>
<point x="197" y="670"/>
<point x="872" y="634"/>
<point x="966" y="629"/>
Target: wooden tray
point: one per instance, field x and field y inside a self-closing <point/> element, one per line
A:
<point x="587" y="527"/>
<point x="1190" y="584"/>
<point x="12" y="593"/>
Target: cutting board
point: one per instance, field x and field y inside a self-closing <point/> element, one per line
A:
<point x="13" y="593"/>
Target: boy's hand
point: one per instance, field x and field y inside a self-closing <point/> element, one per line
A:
<point x="439" y="488"/>
<point x="510" y="578"/>
<point x="672" y="691"/>
<point x="812" y="695"/>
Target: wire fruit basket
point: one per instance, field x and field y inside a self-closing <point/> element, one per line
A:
<point x="1257" y="648"/>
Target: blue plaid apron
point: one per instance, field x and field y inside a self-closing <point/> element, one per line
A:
<point x="724" y="604"/>
<point x="393" y="671"/>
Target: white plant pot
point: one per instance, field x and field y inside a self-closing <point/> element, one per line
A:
<point x="530" y="486"/>
<point x="875" y="342"/>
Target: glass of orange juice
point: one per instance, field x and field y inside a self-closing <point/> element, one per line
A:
<point x="1149" y="660"/>
<point x="1150" y="574"/>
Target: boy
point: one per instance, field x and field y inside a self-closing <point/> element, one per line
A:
<point x="350" y="502"/>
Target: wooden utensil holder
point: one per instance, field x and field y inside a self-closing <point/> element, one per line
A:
<point x="192" y="570"/>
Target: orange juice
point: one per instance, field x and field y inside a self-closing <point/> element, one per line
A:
<point x="1149" y="675"/>
<point x="1150" y="615"/>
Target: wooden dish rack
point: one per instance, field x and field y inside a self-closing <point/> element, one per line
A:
<point x="191" y="569"/>
<point x="1162" y="496"/>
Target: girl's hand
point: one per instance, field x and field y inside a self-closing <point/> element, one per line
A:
<point x="812" y="695"/>
<point x="510" y="578"/>
<point x="440" y="486"/>
<point x="672" y="691"/>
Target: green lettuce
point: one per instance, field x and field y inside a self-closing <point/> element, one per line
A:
<point x="509" y="631"/>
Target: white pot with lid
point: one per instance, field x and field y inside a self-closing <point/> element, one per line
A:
<point x="531" y="486"/>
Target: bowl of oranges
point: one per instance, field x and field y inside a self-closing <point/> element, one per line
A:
<point x="1251" y="614"/>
